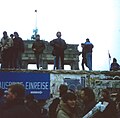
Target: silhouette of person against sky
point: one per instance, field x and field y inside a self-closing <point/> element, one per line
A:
<point x="59" y="46"/>
<point x="88" y="50"/>
<point x="38" y="47"/>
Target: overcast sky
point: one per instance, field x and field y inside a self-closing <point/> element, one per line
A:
<point x="98" y="20"/>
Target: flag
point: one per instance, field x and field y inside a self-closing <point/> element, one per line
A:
<point x="109" y="59"/>
<point x="109" y="55"/>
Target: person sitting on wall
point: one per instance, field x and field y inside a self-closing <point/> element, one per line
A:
<point x="114" y="65"/>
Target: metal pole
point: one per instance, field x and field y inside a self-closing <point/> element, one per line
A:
<point x="36" y="20"/>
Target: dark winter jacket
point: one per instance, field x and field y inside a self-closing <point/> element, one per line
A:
<point x="114" y="66"/>
<point x="18" y="45"/>
<point x="38" y="46"/>
<point x="88" y="47"/>
<point x="110" y="111"/>
<point x="16" y="110"/>
<point x="59" y="45"/>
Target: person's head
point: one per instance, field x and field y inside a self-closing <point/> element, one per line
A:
<point x="5" y="34"/>
<point x="87" y="40"/>
<point x="70" y="99"/>
<point x="105" y="94"/>
<point x="72" y="88"/>
<point x="37" y="37"/>
<point x="63" y="89"/>
<point x="15" y="91"/>
<point x="29" y="97"/>
<point x="56" y="101"/>
<point x="114" y="60"/>
<point x="11" y="35"/>
<point x="58" y="34"/>
<point x="16" y="34"/>
<point x="87" y="95"/>
<point x="82" y="45"/>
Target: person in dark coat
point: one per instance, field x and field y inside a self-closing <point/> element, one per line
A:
<point x="59" y="45"/>
<point x="88" y="49"/>
<point x="84" y="61"/>
<point x="114" y="65"/>
<point x="38" y="47"/>
<point x="33" y="104"/>
<point x="56" y="101"/>
<point x="11" y="54"/>
<point x="18" y="50"/>
<point x="2" y="98"/>
<point x="88" y="97"/>
<point x="14" y="106"/>
<point x="110" y="111"/>
<point x="118" y="104"/>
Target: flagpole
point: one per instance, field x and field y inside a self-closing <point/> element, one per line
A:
<point x="35" y="31"/>
<point x="36" y="19"/>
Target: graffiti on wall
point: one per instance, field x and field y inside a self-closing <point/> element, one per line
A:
<point x="78" y="81"/>
<point x="74" y="82"/>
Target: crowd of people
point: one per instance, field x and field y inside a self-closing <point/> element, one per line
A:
<point x="12" y="47"/>
<point x="14" y="43"/>
<point x="69" y="104"/>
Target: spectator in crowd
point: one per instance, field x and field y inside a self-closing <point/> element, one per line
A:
<point x="2" y="100"/>
<point x="59" y="45"/>
<point x="38" y="47"/>
<point x="55" y="103"/>
<point x="114" y="65"/>
<point x="43" y="108"/>
<point x="33" y="105"/>
<point x="118" y="104"/>
<point x="67" y="107"/>
<point x="53" y="107"/>
<point x="14" y="106"/>
<point x="18" y="50"/>
<point x="84" y="61"/>
<point x="110" y="111"/>
<point x="63" y="89"/>
<point x="88" y="97"/>
<point x="5" y="45"/>
<point x="88" y="49"/>
<point x="79" y="104"/>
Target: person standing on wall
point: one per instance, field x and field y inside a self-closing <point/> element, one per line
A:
<point x="5" y="44"/>
<point x="11" y="54"/>
<point x="88" y="49"/>
<point x="18" y="49"/>
<point x="59" y="45"/>
<point x="38" y="47"/>
<point x="84" y="61"/>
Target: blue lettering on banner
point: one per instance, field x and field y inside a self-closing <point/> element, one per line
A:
<point x="37" y="84"/>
